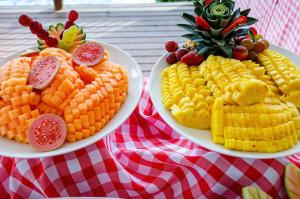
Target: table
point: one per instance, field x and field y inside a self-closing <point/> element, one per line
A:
<point x="144" y="158"/>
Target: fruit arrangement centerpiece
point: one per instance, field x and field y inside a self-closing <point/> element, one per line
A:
<point x="224" y="78"/>
<point x="64" y="92"/>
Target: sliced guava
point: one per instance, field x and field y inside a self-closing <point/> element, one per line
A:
<point x="47" y="132"/>
<point x="88" y="54"/>
<point x="43" y="72"/>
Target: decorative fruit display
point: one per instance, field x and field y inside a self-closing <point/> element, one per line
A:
<point x="47" y="132"/>
<point x="292" y="181"/>
<point x="55" y="36"/>
<point x="65" y="91"/>
<point x="251" y="192"/>
<point x="217" y="29"/>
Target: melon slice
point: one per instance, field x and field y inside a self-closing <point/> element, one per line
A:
<point x="292" y="181"/>
<point x="56" y="31"/>
<point x="251" y="192"/>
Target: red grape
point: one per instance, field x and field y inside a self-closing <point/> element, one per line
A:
<point x="68" y="24"/>
<point x="51" y="42"/>
<point x="73" y="15"/>
<point x="171" y="46"/>
<point x="25" y="20"/>
<point x="35" y="27"/>
<point x="240" y="53"/>
<point x="180" y="52"/>
<point x="171" y="58"/>
<point x="43" y="34"/>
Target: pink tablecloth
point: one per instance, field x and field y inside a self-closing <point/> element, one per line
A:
<point x="143" y="158"/>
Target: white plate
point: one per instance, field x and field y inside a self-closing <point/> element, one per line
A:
<point x="203" y="137"/>
<point x="135" y="79"/>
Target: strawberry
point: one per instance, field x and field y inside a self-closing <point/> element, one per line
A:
<point x="200" y="22"/>
<point x="191" y="59"/>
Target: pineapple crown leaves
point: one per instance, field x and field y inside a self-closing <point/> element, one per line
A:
<point x="215" y="25"/>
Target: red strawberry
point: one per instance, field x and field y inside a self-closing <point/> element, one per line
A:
<point x="206" y="2"/>
<point x="240" y="53"/>
<point x="191" y="59"/>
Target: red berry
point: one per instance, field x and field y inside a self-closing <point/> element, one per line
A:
<point x="43" y="34"/>
<point x="253" y="30"/>
<point x="191" y="59"/>
<point x="61" y="34"/>
<point x="68" y="24"/>
<point x="35" y="27"/>
<point x="25" y="20"/>
<point x="171" y="58"/>
<point x="171" y="46"/>
<point x="51" y="42"/>
<point x="239" y="39"/>
<point x="180" y="52"/>
<point x="73" y="15"/>
<point x="240" y="53"/>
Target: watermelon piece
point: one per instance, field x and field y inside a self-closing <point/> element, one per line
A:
<point x="292" y="181"/>
<point x="251" y="192"/>
<point x="56" y="31"/>
<point x="30" y="53"/>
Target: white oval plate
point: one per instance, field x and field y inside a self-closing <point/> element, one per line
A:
<point x="203" y="137"/>
<point x="135" y="78"/>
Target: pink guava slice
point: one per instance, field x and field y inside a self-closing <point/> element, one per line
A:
<point x="47" y="132"/>
<point x="43" y="72"/>
<point x="292" y="181"/>
<point x="88" y="54"/>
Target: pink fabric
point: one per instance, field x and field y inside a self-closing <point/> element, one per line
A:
<point x="143" y="158"/>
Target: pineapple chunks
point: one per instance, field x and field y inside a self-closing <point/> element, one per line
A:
<point x="284" y="73"/>
<point x="185" y="94"/>
<point x="248" y="106"/>
<point x="230" y="78"/>
<point x="269" y="126"/>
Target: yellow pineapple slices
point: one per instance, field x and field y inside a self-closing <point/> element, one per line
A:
<point x="95" y="104"/>
<point x="284" y="73"/>
<point x="229" y="78"/>
<point x="269" y="126"/>
<point x="184" y="92"/>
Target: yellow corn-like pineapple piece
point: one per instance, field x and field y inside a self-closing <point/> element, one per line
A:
<point x="260" y="73"/>
<point x="269" y="126"/>
<point x="230" y="79"/>
<point x="284" y="73"/>
<point x="185" y="94"/>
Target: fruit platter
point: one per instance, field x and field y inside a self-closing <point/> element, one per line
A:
<point x="226" y="87"/>
<point x="65" y="93"/>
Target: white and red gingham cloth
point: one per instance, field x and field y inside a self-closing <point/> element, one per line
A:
<point x="143" y="158"/>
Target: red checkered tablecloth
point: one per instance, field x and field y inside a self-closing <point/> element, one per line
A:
<point x="143" y="158"/>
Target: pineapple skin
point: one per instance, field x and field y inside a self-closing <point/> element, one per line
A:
<point x="185" y="94"/>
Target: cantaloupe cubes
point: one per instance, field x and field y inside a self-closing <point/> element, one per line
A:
<point x="95" y="104"/>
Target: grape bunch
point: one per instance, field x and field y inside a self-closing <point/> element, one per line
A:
<point x="37" y="29"/>
<point x="248" y="47"/>
<point x="183" y="54"/>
